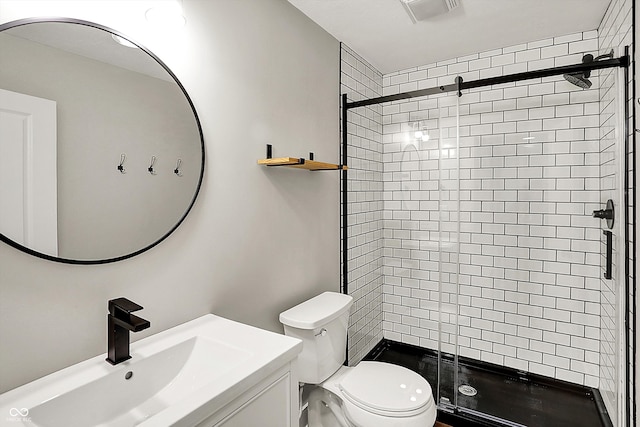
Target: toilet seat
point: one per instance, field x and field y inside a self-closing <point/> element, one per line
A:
<point x="387" y="390"/>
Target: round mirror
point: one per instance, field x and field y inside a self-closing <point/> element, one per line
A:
<point x="101" y="150"/>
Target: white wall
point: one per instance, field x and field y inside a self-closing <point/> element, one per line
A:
<point x="257" y="241"/>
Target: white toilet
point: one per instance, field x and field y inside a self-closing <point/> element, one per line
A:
<point x="371" y="394"/>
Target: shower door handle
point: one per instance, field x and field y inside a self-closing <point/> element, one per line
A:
<point x="609" y="260"/>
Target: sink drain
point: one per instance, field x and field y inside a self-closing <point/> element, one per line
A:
<point x="467" y="390"/>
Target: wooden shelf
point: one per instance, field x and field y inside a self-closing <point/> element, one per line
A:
<point x="294" y="162"/>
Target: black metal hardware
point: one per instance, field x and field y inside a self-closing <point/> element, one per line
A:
<point x="345" y="210"/>
<point x="121" y="165"/>
<point x="603" y="214"/>
<point x="299" y="162"/>
<point x="400" y="96"/>
<point x="630" y="201"/>
<point x="338" y="167"/>
<point x="150" y="168"/>
<point x="623" y="61"/>
<point x="609" y="261"/>
<point x="608" y="213"/>
<point x="177" y="169"/>
<point x="458" y="84"/>
<point x="120" y="321"/>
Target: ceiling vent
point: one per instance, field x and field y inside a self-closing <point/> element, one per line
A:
<point x="422" y="10"/>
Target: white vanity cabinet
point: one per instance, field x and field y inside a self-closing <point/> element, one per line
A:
<point x="271" y="403"/>
<point x="207" y="372"/>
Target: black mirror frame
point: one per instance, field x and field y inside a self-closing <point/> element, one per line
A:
<point x="26" y="21"/>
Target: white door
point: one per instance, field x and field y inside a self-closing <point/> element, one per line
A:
<point x="28" y="183"/>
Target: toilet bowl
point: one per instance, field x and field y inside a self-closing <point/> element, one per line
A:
<point x="376" y="394"/>
<point x="370" y="394"/>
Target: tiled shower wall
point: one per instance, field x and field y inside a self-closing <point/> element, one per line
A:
<point x="359" y="80"/>
<point x="615" y="32"/>
<point x="529" y="287"/>
<point x="538" y="308"/>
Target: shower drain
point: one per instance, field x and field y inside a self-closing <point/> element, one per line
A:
<point x="467" y="390"/>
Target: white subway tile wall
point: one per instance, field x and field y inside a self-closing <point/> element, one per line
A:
<point x="535" y="159"/>
<point x="615" y="33"/>
<point x="528" y="283"/>
<point x="359" y="80"/>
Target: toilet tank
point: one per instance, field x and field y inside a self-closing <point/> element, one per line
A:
<point x="321" y="323"/>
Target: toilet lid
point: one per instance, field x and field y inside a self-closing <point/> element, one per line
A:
<point x="386" y="387"/>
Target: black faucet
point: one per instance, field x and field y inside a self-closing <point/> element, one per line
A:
<point x="120" y="322"/>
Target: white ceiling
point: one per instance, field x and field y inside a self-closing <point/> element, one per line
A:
<point x="382" y="32"/>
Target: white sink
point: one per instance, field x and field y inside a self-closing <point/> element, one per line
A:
<point x="156" y="382"/>
<point x="173" y="377"/>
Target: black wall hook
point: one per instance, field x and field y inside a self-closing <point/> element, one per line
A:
<point x="150" y="168"/>
<point x="121" y="165"/>
<point x="177" y="170"/>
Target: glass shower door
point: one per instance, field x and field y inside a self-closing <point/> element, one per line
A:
<point x="447" y="239"/>
<point x="526" y="273"/>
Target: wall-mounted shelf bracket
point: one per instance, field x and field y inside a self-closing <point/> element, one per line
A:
<point x="298" y="162"/>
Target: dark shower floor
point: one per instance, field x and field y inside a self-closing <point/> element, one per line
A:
<point x="525" y="399"/>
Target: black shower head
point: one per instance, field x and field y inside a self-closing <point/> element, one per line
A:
<point x="581" y="78"/>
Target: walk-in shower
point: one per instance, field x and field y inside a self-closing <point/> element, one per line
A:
<point x="469" y="240"/>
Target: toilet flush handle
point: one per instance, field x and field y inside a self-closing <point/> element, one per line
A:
<point x="322" y="332"/>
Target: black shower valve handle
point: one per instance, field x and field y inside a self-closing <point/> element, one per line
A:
<point x="603" y="214"/>
<point x="607" y="213"/>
